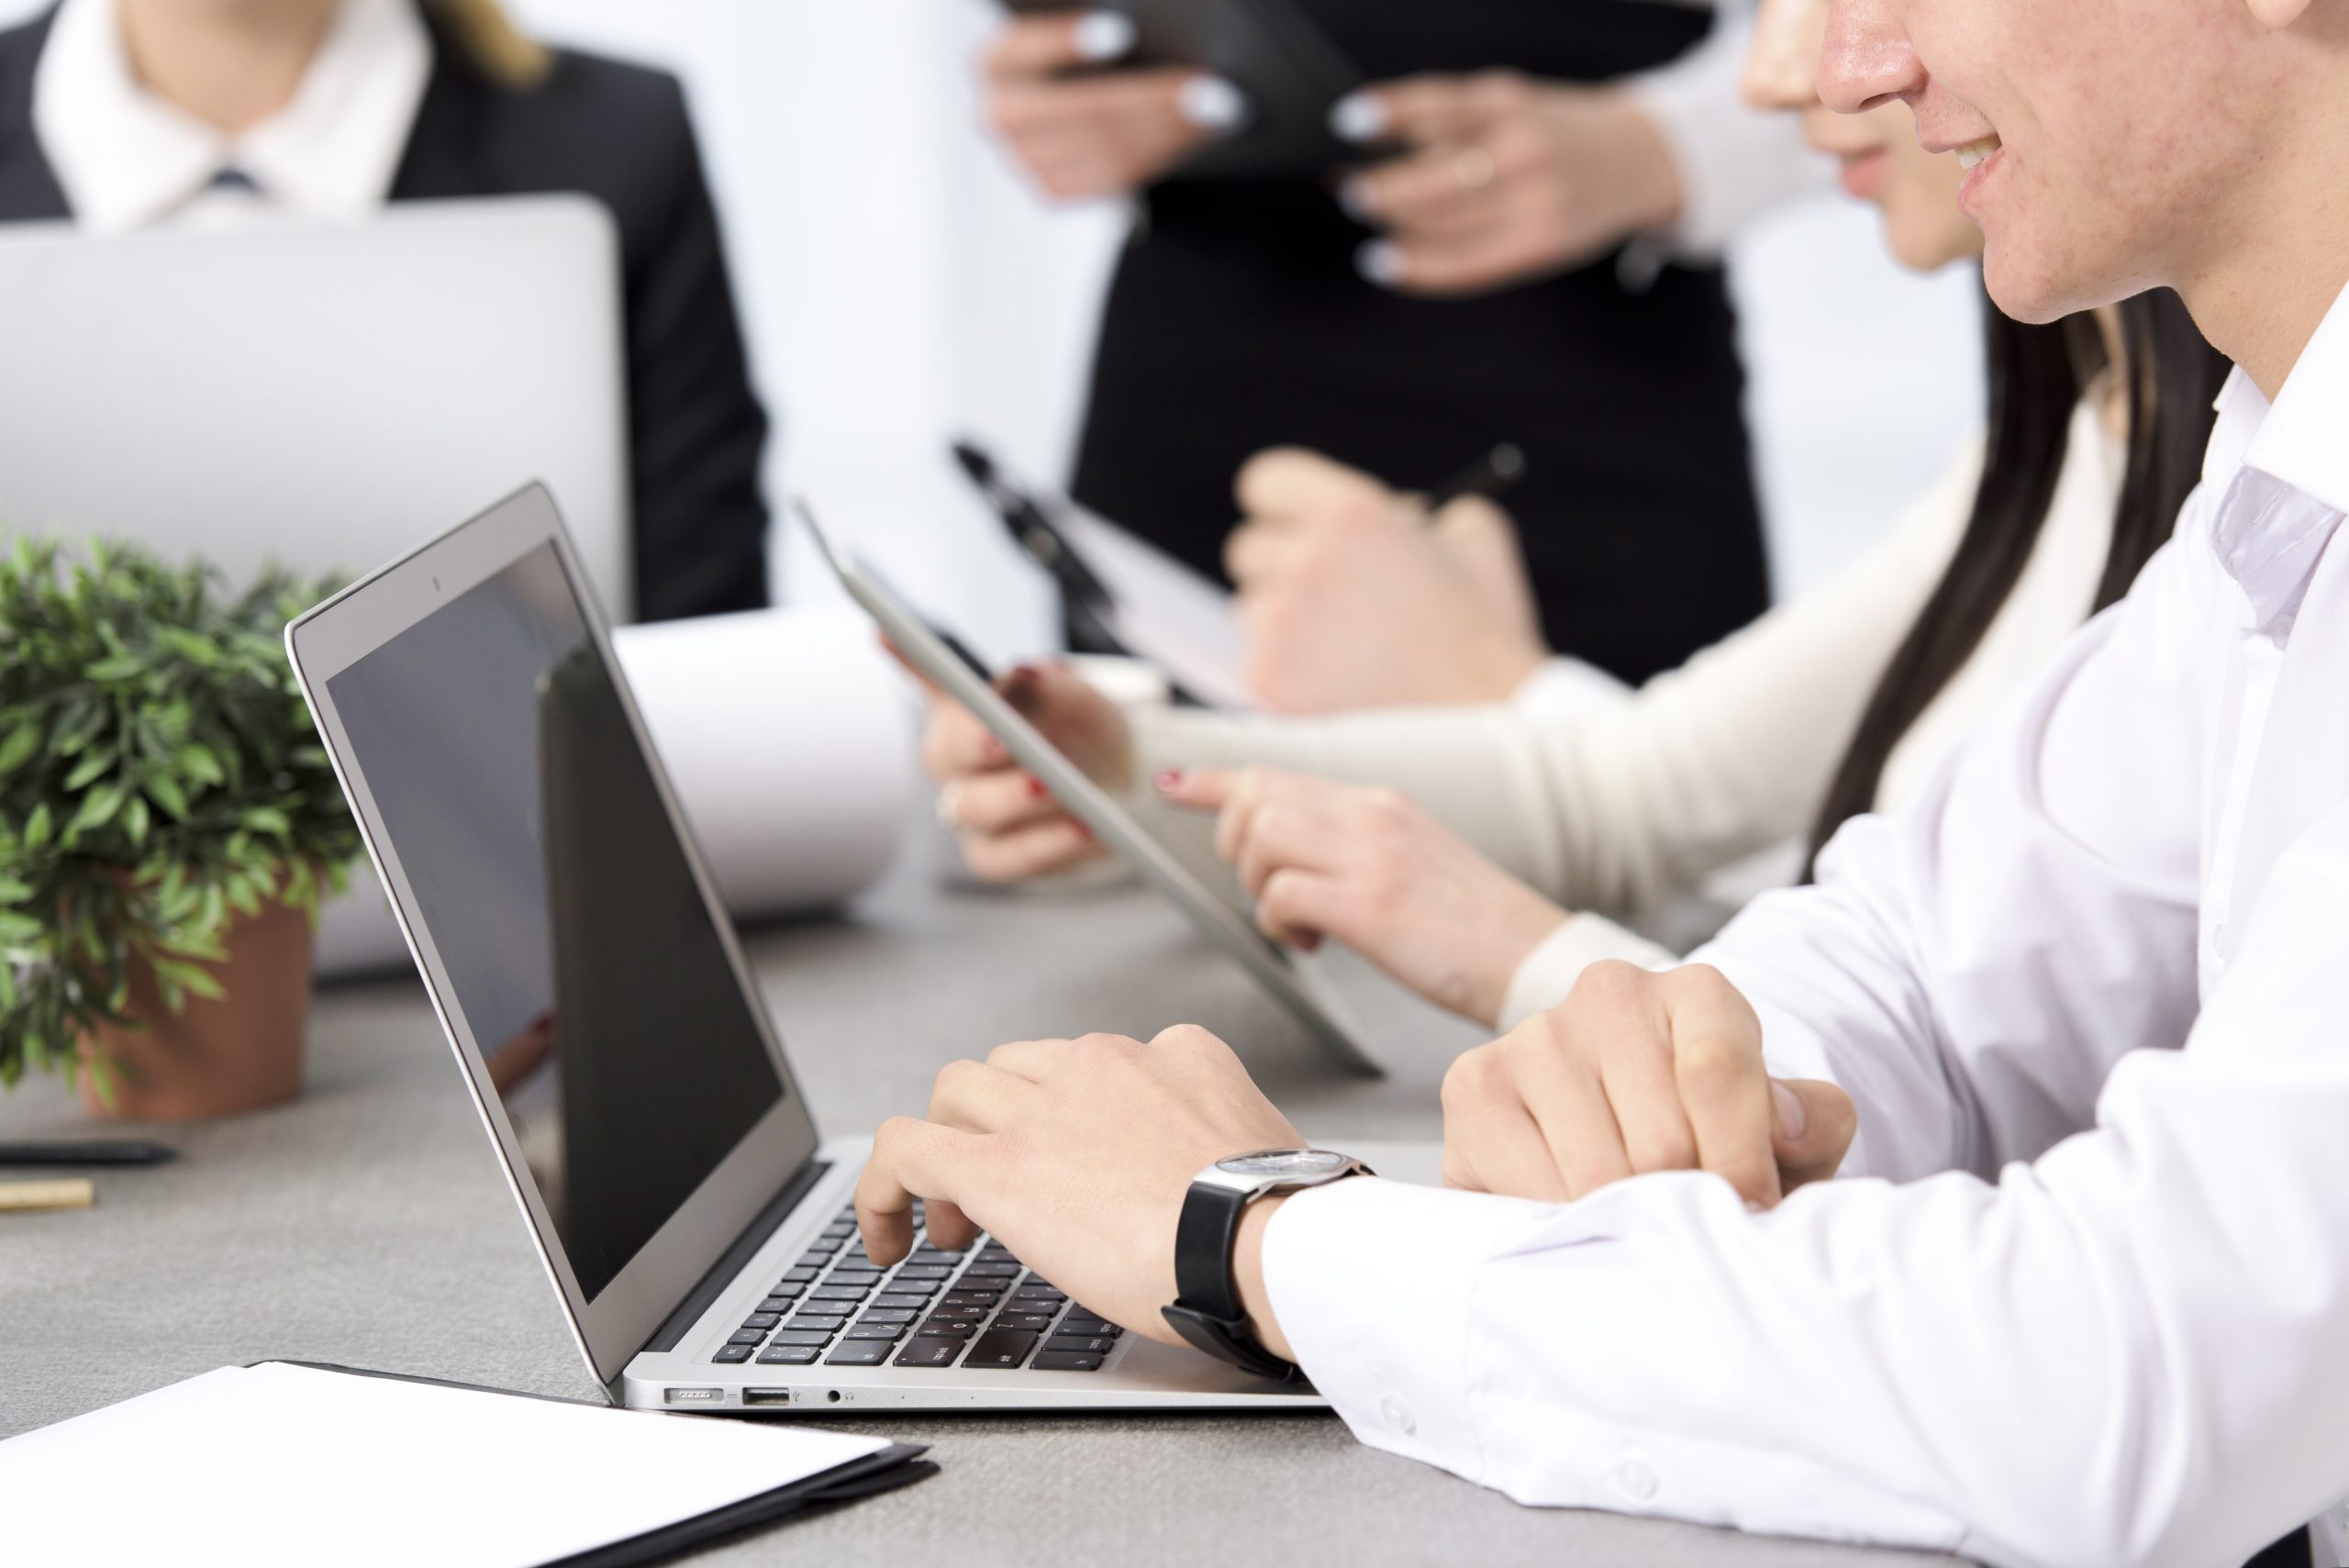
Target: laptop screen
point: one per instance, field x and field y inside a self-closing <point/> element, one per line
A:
<point x="580" y="949"/>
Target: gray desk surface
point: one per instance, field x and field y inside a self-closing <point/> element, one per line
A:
<point x="368" y="1224"/>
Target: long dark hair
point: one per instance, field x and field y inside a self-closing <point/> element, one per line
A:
<point x="2036" y="377"/>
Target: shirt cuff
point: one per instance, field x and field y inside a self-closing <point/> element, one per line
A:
<point x="1562" y="688"/>
<point x="1733" y="162"/>
<point x="1551" y="970"/>
<point x="1373" y="1284"/>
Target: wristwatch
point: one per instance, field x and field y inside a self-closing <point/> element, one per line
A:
<point x="1206" y="1309"/>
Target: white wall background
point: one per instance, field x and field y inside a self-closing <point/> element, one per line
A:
<point x="900" y="284"/>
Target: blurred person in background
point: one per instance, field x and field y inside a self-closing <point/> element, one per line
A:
<point x="1540" y="266"/>
<point x="124" y="115"/>
<point x="1460" y="839"/>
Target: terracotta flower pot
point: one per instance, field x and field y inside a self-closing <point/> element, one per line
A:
<point x="211" y="1058"/>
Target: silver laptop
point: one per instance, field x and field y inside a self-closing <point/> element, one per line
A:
<point x="699" y="1235"/>
<point x="306" y="391"/>
<point x="1298" y="987"/>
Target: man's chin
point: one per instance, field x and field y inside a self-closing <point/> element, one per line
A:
<point x="2030" y="291"/>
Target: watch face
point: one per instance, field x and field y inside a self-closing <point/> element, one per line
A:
<point x="1275" y="1162"/>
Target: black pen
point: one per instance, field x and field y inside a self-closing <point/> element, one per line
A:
<point x="1034" y="531"/>
<point x="1487" y="476"/>
<point x="89" y="1151"/>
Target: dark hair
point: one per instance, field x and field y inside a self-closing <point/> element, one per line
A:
<point x="2036" y="377"/>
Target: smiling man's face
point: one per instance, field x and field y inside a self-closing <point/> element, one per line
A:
<point x="2113" y="142"/>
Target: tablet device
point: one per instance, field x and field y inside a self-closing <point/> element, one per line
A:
<point x="1297" y="987"/>
<point x="1273" y="51"/>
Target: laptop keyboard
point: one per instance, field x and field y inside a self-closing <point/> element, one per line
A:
<point x="976" y="1308"/>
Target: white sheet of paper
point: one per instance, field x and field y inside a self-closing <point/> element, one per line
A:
<point x="788" y="736"/>
<point x="282" y="1464"/>
<point x="1166" y="612"/>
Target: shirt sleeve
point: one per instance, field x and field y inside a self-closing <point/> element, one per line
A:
<point x="2119" y="1353"/>
<point x="1733" y="162"/>
<point x="1971" y="969"/>
<point x="2093" y="1325"/>
<point x="1619" y="804"/>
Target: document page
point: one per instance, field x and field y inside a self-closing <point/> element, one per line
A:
<point x="283" y="1464"/>
<point x="1166" y="612"/>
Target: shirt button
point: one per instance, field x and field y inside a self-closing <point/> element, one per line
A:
<point x="1636" y="1478"/>
<point x="1398" y="1414"/>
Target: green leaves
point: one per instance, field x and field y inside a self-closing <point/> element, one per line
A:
<point x="158" y="776"/>
<point x="19" y="748"/>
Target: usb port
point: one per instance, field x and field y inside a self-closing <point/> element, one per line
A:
<point x="766" y="1397"/>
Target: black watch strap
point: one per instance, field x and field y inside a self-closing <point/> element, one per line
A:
<point x="1204" y="1237"/>
<point x="1206" y="1309"/>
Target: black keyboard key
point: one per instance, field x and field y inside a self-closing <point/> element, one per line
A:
<point x="1026" y="1303"/>
<point x="789" y="1355"/>
<point x="761" y="1320"/>
<point x="991" y="1271"/>
<point x="840" y="1293"/>
<point x="860" y="1352"/>
<point x="746" y="1337"/>
<point x="1085" y="1344"/>
<point x="930" y="1352"/>
<point x="804" y="1336"/>
<point x="803" y="1272"/>
<point x="949" y="1330"/>
<point x="924" y="1271"/>
<point x="892" y="1333"/>
<point x="904" y="1303"/>
<point x="731" y="1353"/>
<point x="846" y="1273"/>
<point x="978" y="1298"/>
<point x="1030" y="1322"/>
<point x="925" y="1289"/>
<point x="1000" y="1348"/>
<point x="820" y="1253"/>
<point x="1076" y="1323"/>
<point x="827" y="1321"/>
<point x="779" y="1298"/>
<point x="958" y="1314"/>
<point x="880" y="1314"/>
<point x="1067" y="1361"/>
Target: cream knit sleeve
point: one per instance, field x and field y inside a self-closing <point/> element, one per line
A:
<point x="1629" y="800"/>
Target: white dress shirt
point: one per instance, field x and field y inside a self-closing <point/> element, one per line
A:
<point x="128" y="160"/>
<point x="1612" y="804"/>
<point x="2082" y="1294"/>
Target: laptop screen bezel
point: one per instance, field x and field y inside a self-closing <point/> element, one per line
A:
<point x="322" y="643"/>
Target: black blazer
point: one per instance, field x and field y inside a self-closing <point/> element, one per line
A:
<point x="621" y="134"/>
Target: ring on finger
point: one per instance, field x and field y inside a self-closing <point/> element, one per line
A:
<point x="950" y="807"/>
<point x="1475" y="168"/>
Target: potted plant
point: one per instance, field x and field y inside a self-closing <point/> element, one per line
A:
<point x="167" y="822"/>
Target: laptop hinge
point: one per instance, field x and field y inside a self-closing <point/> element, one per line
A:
<point x="736" y="1258"/>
